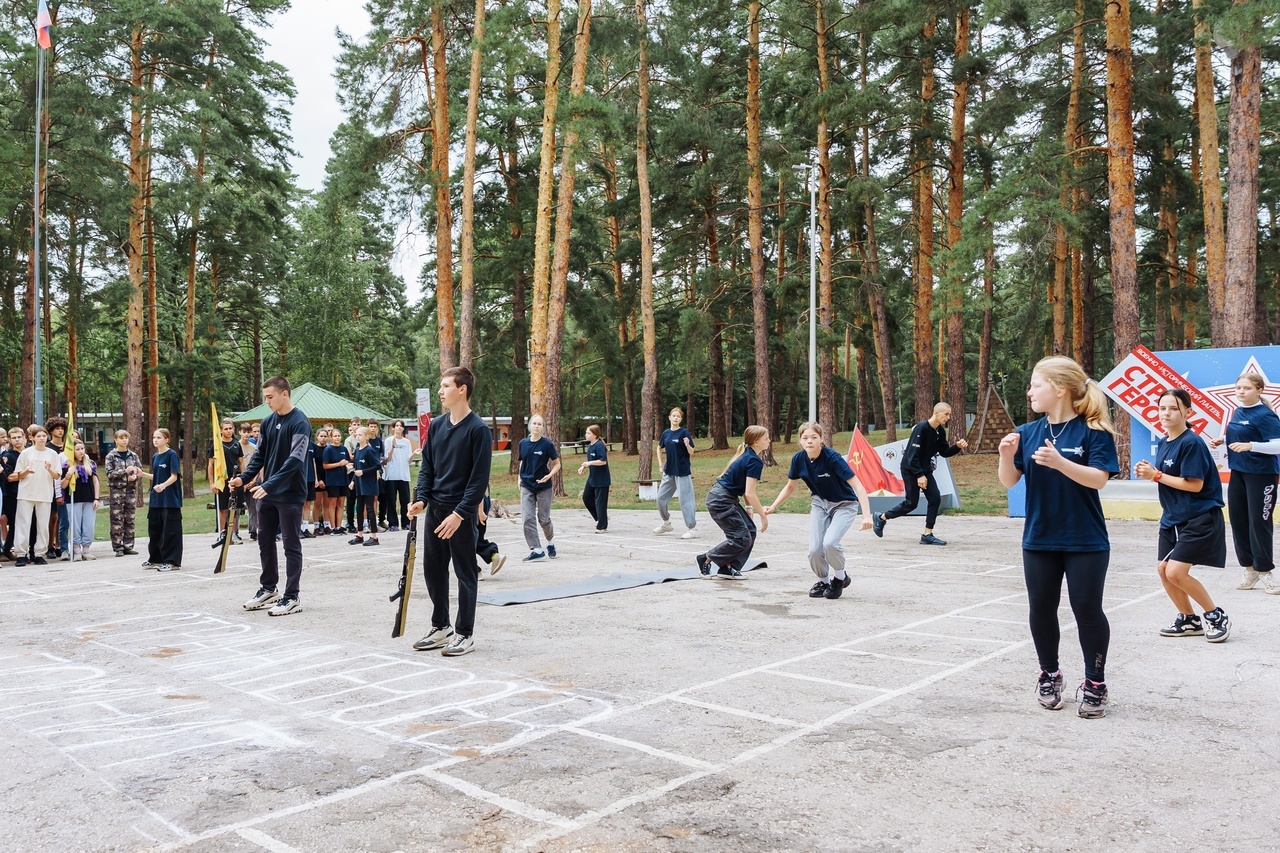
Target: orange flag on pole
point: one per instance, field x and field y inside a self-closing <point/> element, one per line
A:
<point x="865" y="462"/>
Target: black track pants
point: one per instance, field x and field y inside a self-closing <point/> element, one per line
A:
<point x="1250" y="500"/>
<point x="1086" y="575"/>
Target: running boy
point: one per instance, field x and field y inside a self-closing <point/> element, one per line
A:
<point x="928" y="439"/>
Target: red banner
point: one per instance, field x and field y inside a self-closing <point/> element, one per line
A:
<point x="865" y="462"/>
<point x="1141" y="377"/>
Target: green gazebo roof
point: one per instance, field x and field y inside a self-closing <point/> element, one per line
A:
<point x="319" y="405"/>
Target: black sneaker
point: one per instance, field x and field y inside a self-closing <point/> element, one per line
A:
<point x="729" y="573"/>
<point x="1049" y="691"/>
<point x="40" y="561"/>
<point x="1185" y="625"/>
<point x="1093" y="703"/>
<point x="359" y="540"/>
<point x="52" y="554"/>
<point x="129" y="552"/>
<point x="835" y="588"/>
<point x="877" y="524"/>
<point x="307" y="534"/>
<point x="253" y="537"/>
<point x="1219" y="626"/>
<point x="704" y="565"/>
<point x="819" y="589"/>
<point x="369" y="542"/>
<point x="20" y="562"/>
<point x="930" y="539"/>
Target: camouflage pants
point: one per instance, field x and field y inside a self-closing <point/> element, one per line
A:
<point x="123" y="507"/>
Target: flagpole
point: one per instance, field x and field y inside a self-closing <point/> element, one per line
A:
<point x="35" y="204"/>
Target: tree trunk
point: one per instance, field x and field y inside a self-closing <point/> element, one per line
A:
<point x="1215" y="250"/>
<point x="446" y="323"/>
<point x="1243" y="134"/>
<point x="956" y="296"/>
<point x="1120" y="185"/>
<point x="542" y="228"/>
<point x="131" y="393"/>
<point x="466" y="247"/>
<point x="923" y="326"/>
<point x="826" y="307"/>
<point x="1172" y="274"/>
<point x="755" y="231"/>
<point x="614" y="228"/>
<point x="563" y="230"/>
<point x="649" y="392"/>
<point x="1191" y="277"/>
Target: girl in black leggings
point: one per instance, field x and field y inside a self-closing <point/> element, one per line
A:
<point x="1067" y="457"/>
<point x="1252" y="444"/>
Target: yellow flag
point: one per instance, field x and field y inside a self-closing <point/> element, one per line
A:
<point x="68" y="440"/>
<point x="219" y="457"/>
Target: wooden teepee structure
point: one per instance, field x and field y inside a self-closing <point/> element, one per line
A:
<point x="992" y="424"/>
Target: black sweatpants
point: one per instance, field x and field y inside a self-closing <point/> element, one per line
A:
<point x="485" y="549"/>
<point x="164" y="535"/>
<point x="383" y="493"/>
<point x="285" y="519"/>
<point x="351" y="507"/>
<point x="365" y="512"/>
<point x="735" y="522"/>
<point x="911" y="499"/>
<point x="10" y="511"/>
<point x="596" y="500"/>
<point x="1086" y="574"/>
<point x="396" y="491"/>
<point x="1250" y="500"/>
<point x="437" y="553"/>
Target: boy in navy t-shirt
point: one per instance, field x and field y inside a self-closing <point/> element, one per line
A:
<point x="539" y="462"/>
<point x="677" y="477"/>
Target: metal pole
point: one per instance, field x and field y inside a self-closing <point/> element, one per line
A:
<point x="813" y="297"/>
<point x="35" y="232"/>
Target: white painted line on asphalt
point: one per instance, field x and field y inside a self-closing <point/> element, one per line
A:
<point x="514" y="806"/>
<point x="737" y="712"/>
<point x="696" y="763"/>
<point x="1020" y="623"/>
<point x="265" y="841"/>
<point x="898" y="658"/>
<point x="933" y="636"/>
<point x="818" y="680"/>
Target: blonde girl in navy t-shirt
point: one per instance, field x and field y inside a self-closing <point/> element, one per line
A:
<point x="837" y="493"/>
<point x="677" y="477"/>
<point x="164" y="509"/>
<point x="1253" y="440"/>
<point x="1066" y="457"/>
<point x="739" y="480"/>
<point x="1191" y="528"/>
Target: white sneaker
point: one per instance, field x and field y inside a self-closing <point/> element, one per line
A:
<point x="1271" y="583"/>
<point x="264" y="598"/>
<point x="1250" y="580"/>
<point x="438" y="638"/>
<point x="285" y="606"/>
<point x="460" y="646"/>
<point x="499" y="560"/>
<point x="85" y="555"/>
<point x="691" y="533"/>
<point x="664" y="527"/>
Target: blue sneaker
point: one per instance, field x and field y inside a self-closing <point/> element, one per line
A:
<point x="551" y="551"/>
<point x="535" y="557"/>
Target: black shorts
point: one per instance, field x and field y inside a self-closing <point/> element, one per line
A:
<point x="1200" y="541"/>
<point x="220" y="498"/>
<point x="311" y="490"/>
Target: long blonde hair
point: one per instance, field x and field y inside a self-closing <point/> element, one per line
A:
<point x="750" y="436"/>
<point x="1087" y="398"/>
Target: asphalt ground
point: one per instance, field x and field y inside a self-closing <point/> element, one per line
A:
<point x="146" y="711"/>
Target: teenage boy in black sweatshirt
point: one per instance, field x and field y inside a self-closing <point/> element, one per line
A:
<point x="280" y="465"/>
<point x="453" y="480"/>
<point x="928" y="439"/>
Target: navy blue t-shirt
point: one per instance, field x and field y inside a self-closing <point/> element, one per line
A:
<point x="335" y="479"/>
<point x="368" y="460"/>
<point x="672" y="441"/>
<point x="163" y="466"/>
<point x="1187" y="456"/>
<point x="598" y="475"/>
<point x="1255" y="423"/>
<point x="734" y="480"/>
<point x="1063" y="515"/>
<point x="377" y="444"/>
<point x="535" y="462"/>
<point x="827" y="476"/>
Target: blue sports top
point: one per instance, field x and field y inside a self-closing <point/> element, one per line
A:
<point x="1254" y="423"/>
<point x="827" y="476"/>
<point x="734" y="479"/>
<point x="672" y="441"/>
<point x="1063" y="515"/>
<point x="535" y="462"/>
<point x="1187" y="456"/>
<point x="598" y="475"/>
<point x="163" y="466"/>
<point x="335" y="479"/>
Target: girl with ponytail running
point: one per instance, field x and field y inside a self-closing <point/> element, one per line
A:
<point x="1067" y="457"/>
<point x="740" y="479"/>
